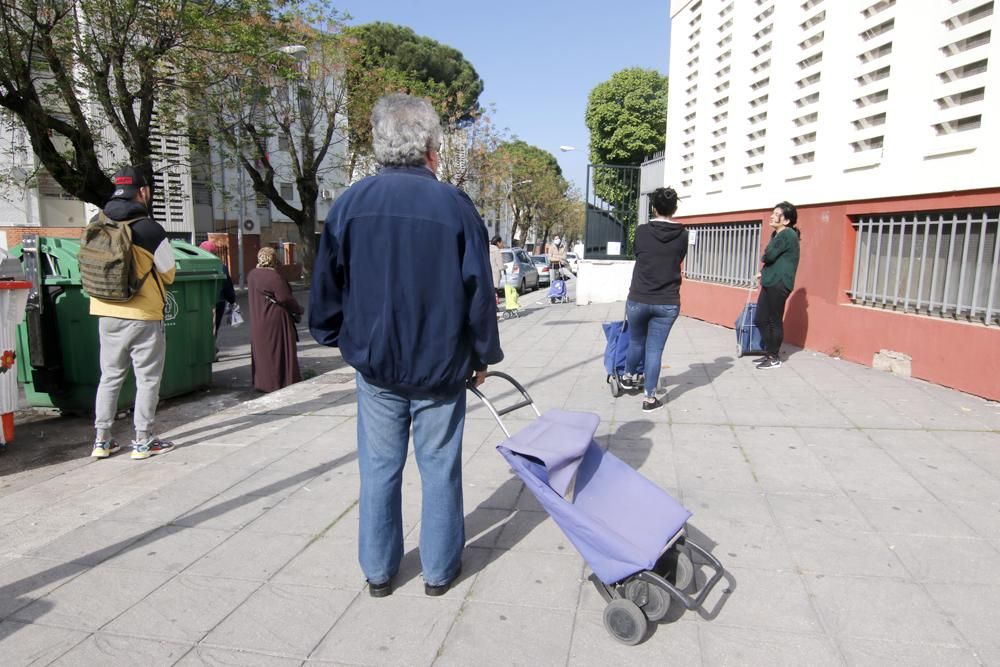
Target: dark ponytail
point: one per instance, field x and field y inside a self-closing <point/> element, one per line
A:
<point x="664" y="201"/>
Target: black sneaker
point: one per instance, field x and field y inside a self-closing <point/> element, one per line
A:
<point x="763" y="359"/>
<point x="773" y="362"/>
<point x="651" y="403"/>
<point x="628" y="381"/>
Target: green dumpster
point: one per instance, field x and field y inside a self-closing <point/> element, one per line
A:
<point x="58" y="346"/>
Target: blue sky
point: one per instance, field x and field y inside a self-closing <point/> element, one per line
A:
<point x="539" y="59"/>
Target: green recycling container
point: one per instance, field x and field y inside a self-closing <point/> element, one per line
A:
<point x="58" y="350"/>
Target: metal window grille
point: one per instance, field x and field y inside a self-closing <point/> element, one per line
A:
<point x="938" y="264"/>
<point x="726" y="253"/>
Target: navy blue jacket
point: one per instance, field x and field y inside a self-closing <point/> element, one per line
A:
<point x="402" y="283"/>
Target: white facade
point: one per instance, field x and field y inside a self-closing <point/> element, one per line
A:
<point x="830" y="100"/>
<point x="30" y="197"/>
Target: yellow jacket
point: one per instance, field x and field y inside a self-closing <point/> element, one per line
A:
<point x="152" y="254"/>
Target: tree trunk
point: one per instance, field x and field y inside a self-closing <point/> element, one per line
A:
<point x="306" y="224"/>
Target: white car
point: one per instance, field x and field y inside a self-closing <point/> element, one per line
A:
<point x="573" y="262"/>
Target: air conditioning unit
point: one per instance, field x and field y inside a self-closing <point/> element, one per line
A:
<point x="326" y="194"/>
<point x="251" y="225"/>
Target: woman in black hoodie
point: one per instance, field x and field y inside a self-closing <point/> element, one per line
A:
<point x="654" y="299"/>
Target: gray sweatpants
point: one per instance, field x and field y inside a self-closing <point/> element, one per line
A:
<point x="141" y="343"/>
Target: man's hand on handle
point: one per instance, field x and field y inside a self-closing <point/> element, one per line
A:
<point x="478" y="378"/>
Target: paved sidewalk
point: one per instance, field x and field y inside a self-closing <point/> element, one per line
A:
<point x="857" y="513"/>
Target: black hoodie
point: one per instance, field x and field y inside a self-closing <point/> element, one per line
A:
<point x="660" y="247"/>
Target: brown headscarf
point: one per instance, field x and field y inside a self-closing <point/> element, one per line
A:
<point x="267" y="258"/>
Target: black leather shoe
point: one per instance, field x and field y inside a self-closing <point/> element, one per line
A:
<point x="380" y="590"/>
<point x="441" y="589"/>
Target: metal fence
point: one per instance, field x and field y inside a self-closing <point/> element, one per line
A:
<point x="937" y="264"/>
<point x="727" y="253"/>
<point x="612" y="196"/>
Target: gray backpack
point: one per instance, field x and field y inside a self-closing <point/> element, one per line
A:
<point x="105" y="259"/>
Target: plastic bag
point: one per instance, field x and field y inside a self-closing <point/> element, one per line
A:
<point x="235" y="315"/>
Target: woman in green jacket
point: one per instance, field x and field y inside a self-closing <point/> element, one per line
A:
<point x="777" y="280"/>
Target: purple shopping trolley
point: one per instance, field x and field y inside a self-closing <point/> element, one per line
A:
<point x="629" y="531"/>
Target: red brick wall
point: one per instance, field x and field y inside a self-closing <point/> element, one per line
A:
<point x="15" y="234"/>
<point x="820" y="316"/>
<point x="228" y="245"/>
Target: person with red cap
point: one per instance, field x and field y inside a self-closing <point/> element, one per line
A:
<point x="132" y="332"/>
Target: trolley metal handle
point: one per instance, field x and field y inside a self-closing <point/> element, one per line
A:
<point x="527" y="402"/>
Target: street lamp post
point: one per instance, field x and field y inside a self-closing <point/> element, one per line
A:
<point x="242" y="206"/>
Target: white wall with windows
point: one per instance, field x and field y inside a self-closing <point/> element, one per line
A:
<point x="30" y="196"/>
<point x="830" y="100"/>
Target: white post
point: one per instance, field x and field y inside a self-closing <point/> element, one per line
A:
<point x="242" y="207"/>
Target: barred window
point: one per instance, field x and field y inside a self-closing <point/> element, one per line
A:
<point x="933" y="263"/>
<point x="727" y="253"/>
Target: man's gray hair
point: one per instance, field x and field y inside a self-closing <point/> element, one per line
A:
<point x="404" y="130"/>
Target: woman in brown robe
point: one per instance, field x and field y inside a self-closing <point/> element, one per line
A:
<point x="274" y="361"/>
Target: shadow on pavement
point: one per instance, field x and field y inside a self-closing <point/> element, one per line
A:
<point x="236" y="424"/>
<point x="701" y="576"/>
<point x="19" y="591"/>
<point x="44" y="437"/>
<point x="699" y="375"/>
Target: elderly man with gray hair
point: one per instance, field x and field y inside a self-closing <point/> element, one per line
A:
<point x="402" y="285"/>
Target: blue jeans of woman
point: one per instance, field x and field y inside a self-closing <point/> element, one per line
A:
<point x="384" y="421"/>
<point x="649" y="325"/>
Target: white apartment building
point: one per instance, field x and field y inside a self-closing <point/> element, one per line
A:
<point x="30" y="197"/>
<point x="830" y="100"/>
<point x="880" y="121"/>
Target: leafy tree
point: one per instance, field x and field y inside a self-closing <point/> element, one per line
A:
<point x="390" y="58"/>
<point x="627" y="119"/>
<point x="290" y="97"/>
<point x="81" y="76"/>
<point x="536" y="189"/>
<point x="564" y="217"/>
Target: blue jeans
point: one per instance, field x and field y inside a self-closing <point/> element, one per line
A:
<point x="384" y="420"/>
<point x="649" y="327"/>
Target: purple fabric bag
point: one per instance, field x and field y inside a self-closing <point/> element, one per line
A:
<point x="618" y="520"/>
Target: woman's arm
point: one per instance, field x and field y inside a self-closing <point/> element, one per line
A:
<point x="775" y="249"/>
<point x="283" y="295"/>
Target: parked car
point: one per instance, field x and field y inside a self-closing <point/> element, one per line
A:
<point x="521" y="271"/>
<point x="573" y="262"/>
<point x="542" y="266"/>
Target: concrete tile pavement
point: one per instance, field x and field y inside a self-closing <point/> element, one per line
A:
<point x="858" y="515"/>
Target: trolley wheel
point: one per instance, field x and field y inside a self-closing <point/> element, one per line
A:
<point x="616" y="386"/>
<point x="683" y="570"/>
<point x="739" y="350"/>
<point x="653" y="600"/>
<point x="552" y="299"/>
<point x="625" y="622"/>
